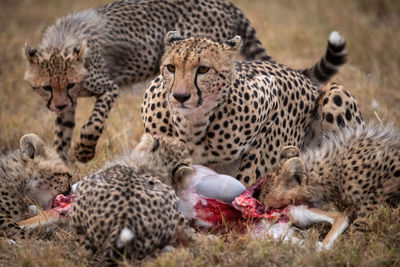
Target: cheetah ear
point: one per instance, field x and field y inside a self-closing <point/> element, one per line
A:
<point x="32" y="146"/>
<point x="30" y="53"/>
<point x="294" y="170"/>
<point x="233" y="44"/>
<point x="148" y="142"/>
<point x="79" y="51"/>
<point x="288" y="152"/>
<point x="172" y="38"/>
<point x="181" y="177"/>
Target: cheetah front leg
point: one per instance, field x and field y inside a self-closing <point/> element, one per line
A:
<point x="184" y="233"/>
<point x="253" y="164"/>
<point x="10" y="229"/>
<point x="86" y="145"/>
<point x="65" y="124"/>
<point x="360" y="223"/>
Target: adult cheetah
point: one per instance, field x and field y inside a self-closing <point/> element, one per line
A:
<point x="357" y="169"/>
<point x="131" y="204"/>
<point x="235" y="116"/>
<point x="92" y="53"/>
<point x="33" y="174"/>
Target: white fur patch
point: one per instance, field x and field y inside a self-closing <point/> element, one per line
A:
<point x="125" y="237"/>
<point x="302" y="216"/>
<point x="336" y="39"/>
<point x="74" y="187"/>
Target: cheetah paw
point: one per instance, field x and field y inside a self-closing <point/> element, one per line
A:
<point x="84" y="153"/>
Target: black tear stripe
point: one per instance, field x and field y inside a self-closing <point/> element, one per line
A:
<point x="70" y="98"/>
<point x="172" y="85"/>
<point x="200" y="101"/>
<point x="156" y="145"/>
<point x="51" y="98"/>
<point x="177" y="168"/>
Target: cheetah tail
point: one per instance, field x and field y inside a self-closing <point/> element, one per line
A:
<point x="125" y="237"/>
<point x="252" y="48"/>
<point x="329" y="64"/>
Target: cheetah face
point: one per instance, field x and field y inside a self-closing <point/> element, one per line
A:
<point x="171" y="153"/>
<point x="285" y="184"/>
<point x="197" y="72"/>
<point x="49" y="176"/>
<point x="56" y="75"/>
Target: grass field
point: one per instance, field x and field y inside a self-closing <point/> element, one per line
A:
<point x="295" y="33"/>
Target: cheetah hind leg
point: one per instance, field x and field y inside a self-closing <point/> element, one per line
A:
<point x="337" y="109"/>
<point x="10" y="229"/>
<point x="86" y="247"/>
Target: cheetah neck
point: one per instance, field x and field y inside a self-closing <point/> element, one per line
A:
<point x="194" y="125"/>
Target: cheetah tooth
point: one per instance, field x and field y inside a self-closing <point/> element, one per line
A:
<point x="125" y="237"/>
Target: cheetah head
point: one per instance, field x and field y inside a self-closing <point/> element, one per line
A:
<point x="56" y="74"/>
<point x="197" y="72"/>
<point x="170" y="153"/>
<point x="286" y="183"/>
<point x="48" y="174"/>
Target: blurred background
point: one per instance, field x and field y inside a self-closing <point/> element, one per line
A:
<point x="294" y="32"/>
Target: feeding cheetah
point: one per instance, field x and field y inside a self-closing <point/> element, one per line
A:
<point x="94" y="52"/>
<point x="32" y="174"/>
<point x="131" y="204"/>
<point x="358" y="168"/>
<point x="235" y="116"/>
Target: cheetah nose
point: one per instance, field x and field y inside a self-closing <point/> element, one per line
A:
<point x="61" y="107"/>
<point x="181" y="97"/>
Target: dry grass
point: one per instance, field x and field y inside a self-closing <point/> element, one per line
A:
<point x="295" y="33"/>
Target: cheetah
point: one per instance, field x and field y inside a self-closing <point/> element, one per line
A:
<point x="32" y="174"/>
<point x="235" y="116"/>
<point x="356" y="169"/>
<point x="131" y="204"/>
<point x="94" y="52"/>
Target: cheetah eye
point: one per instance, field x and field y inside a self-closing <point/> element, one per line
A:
<point x="70" y="86"/>
<point x="171" y="68"/>
<point x="47" y="88"/>
<point x="202" y="69"/>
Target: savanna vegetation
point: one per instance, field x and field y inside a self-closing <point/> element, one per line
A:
<point x="295" y="33"/>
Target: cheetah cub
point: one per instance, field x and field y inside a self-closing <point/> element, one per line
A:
<point x="358" y="169"/>
<point x="32" y="174"/>
<point x="130" y="205"/>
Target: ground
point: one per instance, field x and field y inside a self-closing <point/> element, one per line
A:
<point x="295" y="33"/>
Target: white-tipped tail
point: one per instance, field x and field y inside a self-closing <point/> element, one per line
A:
<point x="336" y="39"/>
<point x="125" y="237"/>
